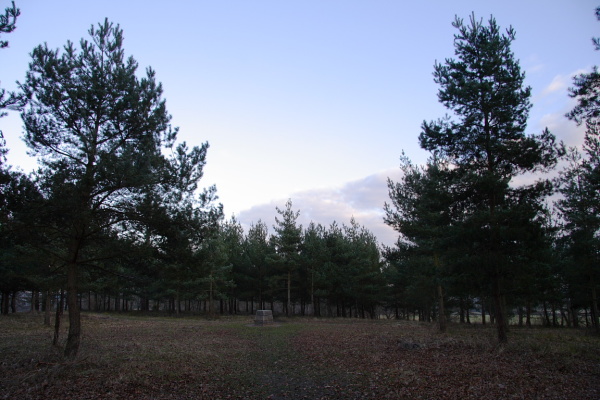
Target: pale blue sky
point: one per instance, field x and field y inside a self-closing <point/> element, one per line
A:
<point x="309" y="100"/>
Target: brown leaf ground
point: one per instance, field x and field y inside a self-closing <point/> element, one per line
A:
<point x="132" y="357"/>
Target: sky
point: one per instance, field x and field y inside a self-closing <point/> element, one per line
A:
<point x="309" y="100"/>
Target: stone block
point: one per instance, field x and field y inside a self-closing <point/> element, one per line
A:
<point x="263" y="317"/>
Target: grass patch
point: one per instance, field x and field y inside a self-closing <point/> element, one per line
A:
<point x="156" y="357"/>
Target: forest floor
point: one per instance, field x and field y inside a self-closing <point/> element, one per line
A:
<point x="135" y="357"/>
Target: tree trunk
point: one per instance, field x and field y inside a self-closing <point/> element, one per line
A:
<point x="74" y="337"/>
<point x="595" y="321"/>
<point x="59" y="310"/>
<point x="575" y="316"/>
<point x="482" y="312"/>
<point x="312" y="291"/>
<point x="585" y="314"/>
<point x="35" y="301"/>
<point x="13" y="302"/>
<point x="210" y="298"/>
<point x="47" y="307"/>
<point x="520" y="312"/>
<point x="564" y="318"/>
<point x="546" y="316"/>
<point x="442" y="311"/>
<point x="5" y="301"/>
<point x="500" y="314"/>
<point x="289" y="293"/>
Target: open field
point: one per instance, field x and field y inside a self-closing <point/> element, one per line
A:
<point x="130" y="357"/>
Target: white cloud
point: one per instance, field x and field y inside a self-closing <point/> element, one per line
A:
<point x="563" y="128"/>
<point x="559" y="83"/>
<point x="362" y="199"/>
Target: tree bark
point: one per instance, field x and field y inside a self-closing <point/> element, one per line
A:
<point x="74" y="337"/>
<point x="520" y="311"/>
<point x="574" y="316"/>
<point x="312" y="291"/>
<point x="442" y="311"/>
<point x="546" y="316"/>
<point x="500" y="314"/>
<point x="210" y="298"/>
<point x="13" y="302"/>
<point x="594" y="310"/>
<point x="482" y="312"/>
<point x="5" y="301"/>
<point x="47" y="307"/>
<point x="289" y="293"/>
<point x="59" y="310"/>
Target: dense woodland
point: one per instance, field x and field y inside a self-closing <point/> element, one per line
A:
<point x="115" y="219"/>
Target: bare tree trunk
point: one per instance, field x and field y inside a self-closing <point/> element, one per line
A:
<point x="312" y="291"/>
<point x="5" y="301"/>
<point x="289" y="293"/>
<point x="595" y="321"/>
<point x="482" y="312"/>
<point x="574" y="316"/>
<point x="546" y="316"/>
<point x="500" y="314"/>
<point x="35" y="301"/>
<point x="442" y="311"/>
<point x="47" y="307"/>
<point x="13" y="302"/>
<point x="564" y="317"/>
<point x="59" y="310"/>
<point x="74" y="337"/>
<point x="520" y="311"/>
<point x="210" y="298"/>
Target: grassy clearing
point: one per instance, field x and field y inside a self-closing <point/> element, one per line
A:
<point x="142" y="357"/>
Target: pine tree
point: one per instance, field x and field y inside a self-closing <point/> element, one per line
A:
<point x="287" y="241"/>
<point x="580" y="186"/>
<point x="8" y="23"/>
<point x="421" y="211"/>
<point x="586" y="89"/>
<point x="99" y="132"/>
<point x="580" y="209"/>
<point x="313" y="258"/>
<point x="8" y="100"/>
<point x="486" y="144"/>
<point x="257" y="250"/>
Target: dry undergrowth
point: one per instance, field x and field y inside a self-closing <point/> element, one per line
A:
<point x="128" y="357"/>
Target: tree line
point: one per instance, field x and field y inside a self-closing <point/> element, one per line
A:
<point x="115" y="219"/>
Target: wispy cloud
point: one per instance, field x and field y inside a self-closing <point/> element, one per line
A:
<point x="559" y="83"/>
<point x="362" y="199"/>
<point x="563" y="128"/>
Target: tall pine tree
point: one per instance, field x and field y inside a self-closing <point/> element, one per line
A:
<point x="100" y="132"/>
<point x="287" y="240"/>
<point x="421" y="211"/>
<point x="486" y="143"/>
